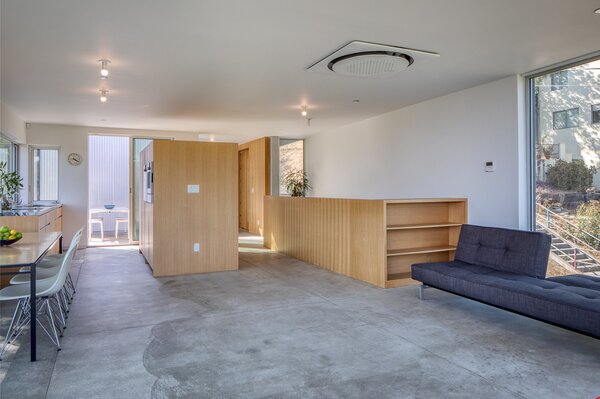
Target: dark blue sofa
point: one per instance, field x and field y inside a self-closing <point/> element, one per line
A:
<point x="507" y="268"/>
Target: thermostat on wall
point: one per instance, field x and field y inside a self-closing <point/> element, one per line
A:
<point x="489" y="166"/>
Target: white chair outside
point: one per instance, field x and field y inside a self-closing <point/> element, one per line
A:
<point x="92" y="222"/>
<point x="124" y="221"/>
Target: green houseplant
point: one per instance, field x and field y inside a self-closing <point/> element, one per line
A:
<point x="10" y="184"/>
<point x="296" y="183"/>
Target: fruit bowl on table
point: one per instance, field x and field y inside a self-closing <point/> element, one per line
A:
<point x="4" y="243"/>
<point x="109" y="206"/>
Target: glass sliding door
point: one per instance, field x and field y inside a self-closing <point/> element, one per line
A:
<point x="565" y="107"/>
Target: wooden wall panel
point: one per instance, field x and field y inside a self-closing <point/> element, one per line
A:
<point x="179" y="219"/>
<point x="258" y="186"/>
<point x="341" y="235"/>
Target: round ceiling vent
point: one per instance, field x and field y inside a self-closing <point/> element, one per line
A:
<point x="370" y="64"/>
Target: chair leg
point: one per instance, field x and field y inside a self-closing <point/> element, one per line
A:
<point x="50" y="317"/>
<point x="60" y="317"/>
<point x="13" y="325"/>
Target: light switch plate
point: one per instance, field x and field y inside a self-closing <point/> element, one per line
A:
<point x="193" y="188"/>
<point x="489" y="166"/>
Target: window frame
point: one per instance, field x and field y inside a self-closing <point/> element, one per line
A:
<point x="595" y="120"/>
<point x="31" y="149"/>
<point x="567" y="119"/>
<point x="13" y="165"/>
<point x="289" y="140"/>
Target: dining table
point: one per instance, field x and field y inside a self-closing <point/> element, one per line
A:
<point x="29" y="251"/>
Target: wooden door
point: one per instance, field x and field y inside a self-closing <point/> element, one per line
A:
<point x="243" y="186"/>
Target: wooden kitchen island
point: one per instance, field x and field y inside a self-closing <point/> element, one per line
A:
<point x="375" y="241"/>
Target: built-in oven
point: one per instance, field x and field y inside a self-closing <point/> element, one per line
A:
<point x="148" y="184"/>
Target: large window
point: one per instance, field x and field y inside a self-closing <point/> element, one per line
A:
<point x="567" y="165"/>
<point x="9" y="153"/>
<point x="291" y="159"/>
<point x="44" y="173"/>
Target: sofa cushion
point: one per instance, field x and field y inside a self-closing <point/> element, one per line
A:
<point x="569" y="305"/>
<point x="514" y="251"/>
<point x="578" y="280"/>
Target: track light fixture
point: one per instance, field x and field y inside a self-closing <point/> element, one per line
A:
<point x="104" y="68"/>
<point x="103" y="95"/>
<point x="304" y="109"/>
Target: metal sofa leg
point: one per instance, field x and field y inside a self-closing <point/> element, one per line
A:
<point x="422" y="292"/>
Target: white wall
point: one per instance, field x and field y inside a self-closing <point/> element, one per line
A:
<point x="73" y="180"/>
<point x="12" y="125"/>
<point x="436" y="148"/>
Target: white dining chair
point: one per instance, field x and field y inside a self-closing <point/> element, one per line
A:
<point x="50" y="306"/>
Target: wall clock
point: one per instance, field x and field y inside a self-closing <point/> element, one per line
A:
<point x="74" y="159"/>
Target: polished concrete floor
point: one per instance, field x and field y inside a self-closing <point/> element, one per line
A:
<point x="279" y="328"/>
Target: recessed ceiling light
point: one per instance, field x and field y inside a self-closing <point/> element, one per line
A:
<point x="355" y="101"/>
<point x="597" y="11"/>
<point x="103" y="120"/>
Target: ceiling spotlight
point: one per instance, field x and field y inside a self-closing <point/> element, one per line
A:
<point x="597" y="11"/>
<point x="355" y="101"/>
<point x="304" y="109"/>
<point x="103" y="95"/>
<point x="104" y="68"/>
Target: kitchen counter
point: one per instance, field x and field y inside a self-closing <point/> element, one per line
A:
<point x="30" y="210"/>
<point x="32" y="219"/>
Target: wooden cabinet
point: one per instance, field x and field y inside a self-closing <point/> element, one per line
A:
<point x="371" y="240"/>
<point x="177" y="219"/>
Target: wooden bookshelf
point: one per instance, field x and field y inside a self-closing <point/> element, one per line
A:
<point x="419" y="232"/>
<point x="370" y="240"/>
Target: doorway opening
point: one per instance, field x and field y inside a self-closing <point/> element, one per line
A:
<point x="109" y="221"/>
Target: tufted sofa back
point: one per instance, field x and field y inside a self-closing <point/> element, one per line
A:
<point x="514" y="251"/>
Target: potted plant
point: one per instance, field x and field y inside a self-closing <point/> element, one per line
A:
<point x="296" y="183"/>
<point x="10" y="184"/>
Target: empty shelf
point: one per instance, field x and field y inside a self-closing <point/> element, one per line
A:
<point x="425" y="250"/>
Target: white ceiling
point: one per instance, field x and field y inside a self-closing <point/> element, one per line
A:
<point x="238" y="68"/>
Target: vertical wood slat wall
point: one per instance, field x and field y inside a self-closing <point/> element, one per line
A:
<point x="341" y="235"/>
<point x="374" y="241"/>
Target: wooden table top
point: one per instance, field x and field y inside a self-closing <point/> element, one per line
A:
<point x="28" y="250"/>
